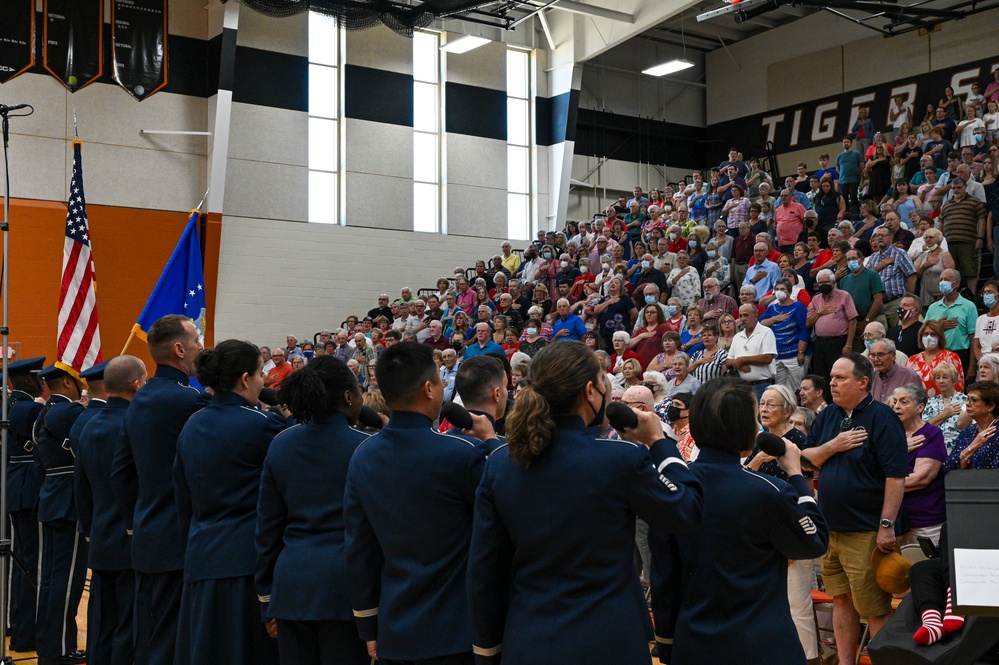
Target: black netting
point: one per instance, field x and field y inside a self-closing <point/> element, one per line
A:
<point x="364" y="14"/>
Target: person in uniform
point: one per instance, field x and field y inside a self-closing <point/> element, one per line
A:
<point x="62" y="558"/>
<point x="220" y="458"/>
<point x="481" y="384"/>
<point x="24" y="479"/>
<point x="112" y="582"/>
<point x="551" y="570"/>
<point x="142" y="483"/>
<point x="408" y="515"/>
<point x="728" y="577"/>
<point x="301" y="578"/>
<point x="98" y="398"/>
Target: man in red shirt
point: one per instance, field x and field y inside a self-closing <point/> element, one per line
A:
<point x="790" y="219"/>
<point x="282" y="368"/>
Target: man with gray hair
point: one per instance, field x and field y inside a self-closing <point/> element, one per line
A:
<point x="888" y="375"/>
<point x="874" y="331"/>
<point x="764" y="273"/>
<point x="567" y="326"/>
<point x="833" y="317"/>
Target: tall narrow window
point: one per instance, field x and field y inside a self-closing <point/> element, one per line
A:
<point x="324" y="116"/>
<point x="426" y="132"/>
<point x="518" y="131"/>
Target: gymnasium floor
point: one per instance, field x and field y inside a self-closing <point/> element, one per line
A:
<point x="30" y="658"/>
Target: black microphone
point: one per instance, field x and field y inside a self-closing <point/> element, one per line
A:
<point x="15" y="107"/>
<point x="771" y="444"/>
<point x="620" y="416"/>
<point x="456" y="415"/>
<point x="369" y="417"/>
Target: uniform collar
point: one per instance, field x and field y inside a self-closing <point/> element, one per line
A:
<point x="172" y="373"/>
<point x="55" y="398"/>
<point x="408" y="420"/>
<point x="571" y="422"/>
<point x="20" y="394"/>
<point x="117" y="403"/>
<point x="332" y="417"/>
<point x="476" y="412"/>
<point x="713" y="456"/>
<point x="231" y="398"/>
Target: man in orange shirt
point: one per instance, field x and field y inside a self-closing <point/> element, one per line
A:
<point x="282" y="368"/>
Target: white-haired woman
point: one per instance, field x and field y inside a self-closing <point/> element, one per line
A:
<point x="945" y="408"/>
<point x="777" y="405"/>
<point x="683" y="381"/>
<point x="620" y="342"/>
<point x="923" y="502"/>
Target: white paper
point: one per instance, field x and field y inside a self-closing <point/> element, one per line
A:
<point x="977" y="575"/>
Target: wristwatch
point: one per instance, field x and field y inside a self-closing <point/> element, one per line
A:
<point x="887" y="523"/>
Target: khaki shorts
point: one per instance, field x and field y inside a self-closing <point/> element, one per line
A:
<point x="846" y="568"/>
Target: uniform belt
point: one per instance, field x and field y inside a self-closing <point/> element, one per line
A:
<point x="21" y="458"/>
<point x="59" y="471"/>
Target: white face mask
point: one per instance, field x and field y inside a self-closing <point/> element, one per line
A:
<point x="672" y="236"/>
<point x="930" y="341"/>
<point x="606" y="267"/>
<point x="781" y="295"/>
<point x="564" y="264"/>
<point x="583" y="270"/>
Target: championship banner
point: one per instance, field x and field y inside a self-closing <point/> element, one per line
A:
<point x="74" y="41"/>
<point x="139" y="45"/>
<point x="17" y="38"/>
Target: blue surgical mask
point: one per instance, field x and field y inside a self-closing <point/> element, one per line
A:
<point x="989" y="299"/>
<point x="712" y="253"/>
<point x="946" y="288"/>
<point x="671" y="309"/>
<point x="309" y="354"/>
<point x="650" y="300"/>
<point x="853" y="265"/>
<point x="645" y="265"/>
<point x="869" y="343"/>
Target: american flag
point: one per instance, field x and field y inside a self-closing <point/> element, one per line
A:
<point x="79" y="345"/>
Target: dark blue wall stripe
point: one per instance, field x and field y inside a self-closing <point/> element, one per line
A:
<point x="475" y="111"/>
<point x="271" y="79"/>
<point x="632" y="139"/>
<point x="378" y="96"/>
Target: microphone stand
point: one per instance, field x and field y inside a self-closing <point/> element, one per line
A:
<point x="6" y="551"/>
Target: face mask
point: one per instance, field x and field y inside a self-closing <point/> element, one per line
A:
<point x="930" y="247"/>
<point x="853" y="265"/>
<point x="712" y="253"/>
<point x="672" y="236"/>
<point x="531" y="332"/>
<point x="672" y="413"/>
<point x="645" y="265"/>
<point x="979" y="137"/>
<point x="930" y="341"/>
<point x="650" y="300"/>
<point x="583" y="270"/>
<point x="309" y="354"/>
<point x="825" y="289"/>
<point x="989" y="299"/>
<point x="564" y="264"/>
<point x="781" y="295"/>
<point x="548" y="255"/>
<point x="457" y="346"/>
<point x="606" y="267"/>
<point x="905" y="313"/>
<point x="598" y="415"/>
<point x="671" y="309"/>
<point x="946" y="288"/>
<point x="692" y="243"/>
<point x="869" y="343"/>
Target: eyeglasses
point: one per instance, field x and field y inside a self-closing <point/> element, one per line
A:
<point x="879" y="355"/>
<point x="974" y="400"/>
<point x="771" y="405"/>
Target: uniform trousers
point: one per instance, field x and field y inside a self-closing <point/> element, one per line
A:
<point x="110" y="617"/>
<point x="465" y="658"/>
<point x="157" y="605"/>
<point x="23" y="590"/>
<point x="62" y="571"/>
<point x="320" y="643"/>
<point x="221" y="622"/>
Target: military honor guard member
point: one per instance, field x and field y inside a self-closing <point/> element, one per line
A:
<point x="142" y="482"/>
<point x="301" y="577"/>
<point x="408" y="514"/>
<point x="62" y="565"/>
<point x="24" y="479"/>
<point x="112" y="584"/>
<point x="220" y="458"/>
<point x="481" y="384"/>
<point x="551" y="572"/>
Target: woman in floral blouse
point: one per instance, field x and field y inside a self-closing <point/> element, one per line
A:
<point x="943" y="409"/>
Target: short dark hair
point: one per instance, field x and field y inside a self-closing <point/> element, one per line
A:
<point x="477" y="377"/>
<point x="723" y="417"/>
<point x="318" y="388"/>
<point x="221" y="368"/>
<point x="989" y="391"/>
<point x="862" y="367"/>
<point x="402" y="370"/>
<point x="163" y="333"/>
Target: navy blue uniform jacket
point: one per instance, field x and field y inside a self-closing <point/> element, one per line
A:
<point x="408" y="511"/>
<point x="220" y="456"/>
<point x="56" y="419"/>
<point x="24" y="476"/>
<point x="300" y="534"/>
<point x="99" y="519"/>
<point x="146" y="451"/>
<point x="720" y="592"/>
<point x="551" y="572"/>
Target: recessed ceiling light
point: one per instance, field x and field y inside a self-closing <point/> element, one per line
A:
<point x="670" y="67"/>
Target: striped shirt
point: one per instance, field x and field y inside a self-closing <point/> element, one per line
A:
<point x="960" y="219"/>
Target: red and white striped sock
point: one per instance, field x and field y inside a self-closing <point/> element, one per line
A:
<point x="951" y="621"/>
<point x="931" y="630"/>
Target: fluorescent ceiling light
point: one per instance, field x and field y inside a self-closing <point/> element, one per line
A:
<point x="464" y="44"/>
<point x="670" y="67"/>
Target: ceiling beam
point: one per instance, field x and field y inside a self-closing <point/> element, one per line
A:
<point x="590" y="10"/>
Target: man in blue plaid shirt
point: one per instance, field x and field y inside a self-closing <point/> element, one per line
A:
<point x="896" y="270"/>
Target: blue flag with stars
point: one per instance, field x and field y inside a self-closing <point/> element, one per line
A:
<point x="181" y="287"/>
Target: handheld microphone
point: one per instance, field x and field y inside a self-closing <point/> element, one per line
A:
<point x="771" y="444"/>
<point x="620" y="416"/>
<point x="456" y="415"/>
<point x="369" y="418"/>
<point x="15" y="107"/>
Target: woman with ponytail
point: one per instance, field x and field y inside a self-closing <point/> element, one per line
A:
<point x="220" y="455"/>
<point x="551" y="573"/>
<point x="301" y="578"/>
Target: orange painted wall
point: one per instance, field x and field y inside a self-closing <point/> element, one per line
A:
<point x="130" y="248"/>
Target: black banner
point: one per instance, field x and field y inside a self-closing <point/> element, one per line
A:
<point x="824" y="121"/>
<point x="139" y="39"/>
<point x="17" y="38"/>
<point x="74" y="41"/>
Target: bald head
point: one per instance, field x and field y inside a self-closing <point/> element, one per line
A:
<point x="639" y="397"/>
<point x="124" y="376"/>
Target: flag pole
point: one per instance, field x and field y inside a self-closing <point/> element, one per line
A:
<point x="76" y="130"/>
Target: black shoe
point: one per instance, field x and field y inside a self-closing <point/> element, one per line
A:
<point x="15" y="646"/>
<point x="74" y="658"/>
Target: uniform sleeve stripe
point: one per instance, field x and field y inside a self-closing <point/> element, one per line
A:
<point x="664" y="640"/>
<point x="264" y="599"/>
<point x="805" y="499"/>
<point x="669" y="460"/>
<point x="481" y="651"/>
<point x="364" y="614"/>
